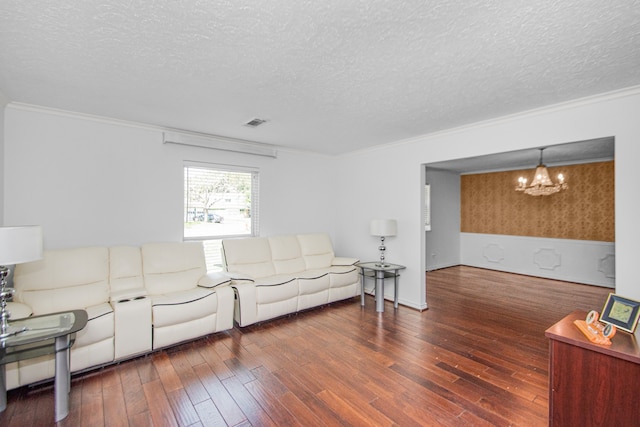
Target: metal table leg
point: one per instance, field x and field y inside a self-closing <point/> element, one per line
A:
<point x="395" y="289"/>
<point x="379" y="290"/>
<point x="3" y="388"/>
<point x="362" y="288"/>
<point x="62" y="380"/>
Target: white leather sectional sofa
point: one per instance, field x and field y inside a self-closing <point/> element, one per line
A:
<point x="138" y="299"/>
<point x="279" y="275"/>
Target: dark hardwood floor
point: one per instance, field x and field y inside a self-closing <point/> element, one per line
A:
<point x="478" y="356"/>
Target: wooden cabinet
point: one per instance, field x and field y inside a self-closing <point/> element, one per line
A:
<point x="590" y="384"/>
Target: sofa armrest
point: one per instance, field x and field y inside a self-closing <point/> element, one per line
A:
<point x="239" y="278"/>
<point x="224" y="316"/>
<point x="344" y="261"/>
<point x="246" y="309"/>
<point x="213" y="279"/>
<point x="18" y="310"/>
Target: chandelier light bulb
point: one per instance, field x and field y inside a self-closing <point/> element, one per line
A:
<point x="522" y="182"/>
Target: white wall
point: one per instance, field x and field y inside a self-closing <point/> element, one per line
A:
<point x="92" y="182"/>
<point x="443" y="240"/>
<point x="387" y="181"/>
<point x="98" y="182"/>
<point x="3" y="102"/>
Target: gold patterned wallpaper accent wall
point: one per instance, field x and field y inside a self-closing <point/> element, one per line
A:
<point x="489" y="204"/>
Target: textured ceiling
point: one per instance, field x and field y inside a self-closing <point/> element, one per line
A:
<point x="594" y="150"/>
<point x="331" y="76"/>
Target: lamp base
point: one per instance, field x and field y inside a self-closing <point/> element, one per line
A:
<point x="6" y="330"/>
<point x="382" y="248"/>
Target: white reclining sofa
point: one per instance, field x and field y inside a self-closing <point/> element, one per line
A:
<point x="138" y="299"/>
<point x="275" y="276"/>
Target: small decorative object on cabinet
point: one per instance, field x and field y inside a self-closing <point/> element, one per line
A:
<point x="621" y="312"/>
<point x="594" y="330"/>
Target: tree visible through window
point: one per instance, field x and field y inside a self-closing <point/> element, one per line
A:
<point x="219" y="202"/>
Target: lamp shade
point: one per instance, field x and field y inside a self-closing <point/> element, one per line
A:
<point x="20" y="244"/>
<point x="384" y="227"/>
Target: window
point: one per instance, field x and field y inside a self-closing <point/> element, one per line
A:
<point x="219" y="201"/>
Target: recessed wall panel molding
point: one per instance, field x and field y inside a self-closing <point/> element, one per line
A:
<point x="607" y="266"/>
<point x="579" y="261"/>
<point x="547" y="259"/>
<point x="493" y="253"/>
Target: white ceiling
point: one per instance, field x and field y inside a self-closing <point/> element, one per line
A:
<point x="595" y="150"/>
<point x="330" y="76"/>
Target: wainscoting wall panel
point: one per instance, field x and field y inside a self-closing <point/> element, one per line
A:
<point x="580" y="261"/>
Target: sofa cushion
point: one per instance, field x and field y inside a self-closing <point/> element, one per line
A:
<point x="125" y="268"/>
<point x="286" y="254"/>
<point x="317" y="250"/>
<point x="313" y="281"/>
<point x="249" y="257"/>
<point x="173" y="266"/>
<point x="99" y="327"/>
<point x="276" y="291"/>
<point x="18" y="310"/>
<point x="180" y="307"/>
<point x="344" y="276"/>
<point x="64" y="279"/>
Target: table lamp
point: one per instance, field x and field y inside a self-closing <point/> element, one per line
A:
<point x="383" y="228"/>
<point x="17" y="245"/>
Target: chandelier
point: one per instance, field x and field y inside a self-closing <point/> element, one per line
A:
<point x="541" y="184"/>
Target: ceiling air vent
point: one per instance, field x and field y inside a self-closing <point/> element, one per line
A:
<point x="254" y="123"/>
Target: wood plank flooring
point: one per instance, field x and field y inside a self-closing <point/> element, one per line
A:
<point x="476" y="357"/>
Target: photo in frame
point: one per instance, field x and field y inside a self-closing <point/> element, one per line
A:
<point x="621" y="312"/>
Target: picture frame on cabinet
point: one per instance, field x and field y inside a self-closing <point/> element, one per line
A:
<point x="623" y="313"/>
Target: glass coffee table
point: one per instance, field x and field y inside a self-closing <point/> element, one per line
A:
<point x="38" y="336"/>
